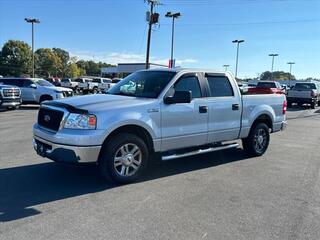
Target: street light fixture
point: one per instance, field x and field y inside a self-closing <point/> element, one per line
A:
<point x="272" y="64"/>
<point x="226" y="67"/>
<point x="32" y="21"/>
<point x="291" y="63"/>
<point x="237" y="57"/>
<point x="173" y="16"/>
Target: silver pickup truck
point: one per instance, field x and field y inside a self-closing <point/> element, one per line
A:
<point x="157" y="113"/>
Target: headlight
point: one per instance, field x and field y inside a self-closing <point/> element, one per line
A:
<point x="57" y="91"/>
<point x="80" y="121"/>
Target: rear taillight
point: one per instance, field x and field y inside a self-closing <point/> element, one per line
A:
<point x="284" y="107"/>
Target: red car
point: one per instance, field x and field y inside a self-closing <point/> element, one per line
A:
<point x="267" y="87"/>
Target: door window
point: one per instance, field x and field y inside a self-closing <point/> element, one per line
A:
<point x="27" y="83"/>
<point x="220" y="86"/>
<point x="189" y="83"/>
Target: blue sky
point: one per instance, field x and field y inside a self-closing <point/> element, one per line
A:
<point x="115" y="31"/>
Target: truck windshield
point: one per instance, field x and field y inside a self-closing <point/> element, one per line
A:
<point x="304" y="86"/>
<point x="147" y="84"/>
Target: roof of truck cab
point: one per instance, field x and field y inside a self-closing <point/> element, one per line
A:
<point x="185" y="70"/>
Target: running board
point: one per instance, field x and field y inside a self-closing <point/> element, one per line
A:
<point x="200" y="151"/>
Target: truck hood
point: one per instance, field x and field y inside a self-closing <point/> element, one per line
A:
<point x="58" y="88"/>
<point x="102" y="102"/>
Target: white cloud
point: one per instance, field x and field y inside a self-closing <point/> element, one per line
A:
<point x="125" y="57"/>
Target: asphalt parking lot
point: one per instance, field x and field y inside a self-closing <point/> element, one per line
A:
<point x="223" y="195"/>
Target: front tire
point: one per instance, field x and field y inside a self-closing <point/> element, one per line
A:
<point x="95" y="90"/>
<point x="256" y="144"/>
<point x="124" y="158"/>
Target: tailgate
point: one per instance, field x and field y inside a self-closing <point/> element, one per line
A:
<point x="299" y="94"/>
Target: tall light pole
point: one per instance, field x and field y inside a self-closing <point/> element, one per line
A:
<point x="272" y="64"/>
<point x="226" y="67"/>
<point x="173" y="16"/>
<point x="32" y="21"/>
<point x="291" y="63"/>
<point x="237" y="57"/>
<point x="153" y="18"/>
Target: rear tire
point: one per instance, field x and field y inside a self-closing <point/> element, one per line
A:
<point x="289" y="104"/>
<point x="124" y="158"/>
<point x="256" y="144"/>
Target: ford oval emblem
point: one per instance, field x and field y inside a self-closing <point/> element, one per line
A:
<point x="46" y="118"/>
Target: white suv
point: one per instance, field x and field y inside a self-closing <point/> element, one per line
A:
<point x="37" y="90"/>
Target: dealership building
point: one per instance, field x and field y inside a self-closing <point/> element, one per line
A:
<point x="124" y="69"/>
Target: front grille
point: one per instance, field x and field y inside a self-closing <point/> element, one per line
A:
<point x="50" y="118"/>
<point x="67" y="93"/>
<point x="11" y="92"/>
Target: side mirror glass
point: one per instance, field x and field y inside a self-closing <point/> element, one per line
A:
<point x="33" y="85"/>
<point x="179" y="97"/>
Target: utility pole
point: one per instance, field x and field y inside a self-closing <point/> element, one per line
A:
<point x="272" y="64"/>
<point x="291" y="63"/>
<point x="173" y="16"/>
<point x="226" y="67"/>
<point x="153" y="18"/>
<point x="237" y="57"/>
<point x="32" y="21"/>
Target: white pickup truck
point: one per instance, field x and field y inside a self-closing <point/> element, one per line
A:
<point x="69" y="83"/>
<point x="168" y="113"/>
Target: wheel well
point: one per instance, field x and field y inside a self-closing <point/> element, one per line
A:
<point x="264" y="118"/>
<point x="136" y="130"/>
<point x="45" y="97"/>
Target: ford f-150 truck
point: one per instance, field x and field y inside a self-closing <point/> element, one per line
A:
<point x="152" y="114"/>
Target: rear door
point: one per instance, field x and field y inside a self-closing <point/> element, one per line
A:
<point x="185" y="124"/>
<point x="224" y="108"/>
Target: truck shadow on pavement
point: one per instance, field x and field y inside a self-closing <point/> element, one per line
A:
<point x="21" y="188"/>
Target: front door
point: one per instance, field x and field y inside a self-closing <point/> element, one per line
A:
<point x="28" y="93"/>
<point x="185" y="124"/>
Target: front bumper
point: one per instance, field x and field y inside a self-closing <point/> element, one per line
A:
<point x="66" y="153"/>
<point x="10" y="102"/>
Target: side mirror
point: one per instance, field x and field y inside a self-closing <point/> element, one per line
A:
<point x="179" y="97"/>
<point x="33" y="85"/>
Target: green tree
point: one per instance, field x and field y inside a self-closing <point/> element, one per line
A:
<point x="277" y="75"/>
<point x="64" y="59"/>
<point x="72" y="70"/>
<point x="48" y="63"/>
<point x="15" y="58"/>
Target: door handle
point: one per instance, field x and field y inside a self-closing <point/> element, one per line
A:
<point x="203" y="109"/>
<point x="235" y="107"/>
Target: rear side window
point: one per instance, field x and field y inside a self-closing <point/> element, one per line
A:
<point x="220" y="86"/>
<point x="266" y="85"/>
<point x="189" y="83"/>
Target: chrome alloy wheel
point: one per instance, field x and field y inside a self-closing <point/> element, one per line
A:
<point x="127" y="160"/>
<point x="260" y="140"/>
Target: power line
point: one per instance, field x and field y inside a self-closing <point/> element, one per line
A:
<point x="249" y="23"/>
